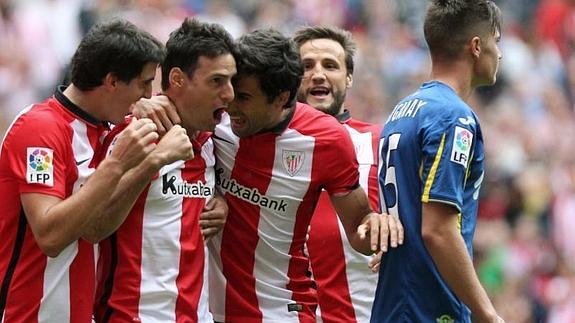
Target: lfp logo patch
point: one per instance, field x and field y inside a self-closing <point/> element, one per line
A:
<point x="40" y="166"/>
<point x="461" y="146"/>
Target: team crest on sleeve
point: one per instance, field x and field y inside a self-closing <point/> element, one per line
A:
<point x="461" y="148"/>
<point x="292" y="161"/>
<point x="40" y="166"/>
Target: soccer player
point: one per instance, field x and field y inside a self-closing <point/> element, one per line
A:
<point x="55" y="200"/>
<point x="274" y="157"/>
<point x="345" y="284"/>
<point x="154" y="266"/>
<point x="431" y="171"/>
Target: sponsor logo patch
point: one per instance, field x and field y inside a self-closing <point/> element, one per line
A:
<point x="295" y="307"/>
<point x="461" y="146"/>
<point x="292" y="161"/>
<point x="40" y="166"/>
<point x="444" y="319"/>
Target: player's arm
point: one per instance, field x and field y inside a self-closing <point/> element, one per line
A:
<point x="447" y="248"/>
<point x="367" y="231"/>
<point x="56" y="223"/>
<point x="174" y="146"/>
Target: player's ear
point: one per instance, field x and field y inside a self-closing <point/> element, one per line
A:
<point x="176" y="77"/>
<point x="110" y="81"/>
<point x="475" y="47"/>
<point x="348" y="81"/>
<point x="282" y="99"/>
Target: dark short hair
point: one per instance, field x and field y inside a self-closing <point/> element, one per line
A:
<point x="449" y="24"/>
<point x="192" y="40"/>
<point x="343" y="37"/>
<point x="274" y="60"/>
<point x="117" y="47"/>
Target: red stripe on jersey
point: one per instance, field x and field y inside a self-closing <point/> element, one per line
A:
<point x="328" y="264"/>
<point x="128" y="260"/>
<point x="50" y="126"/>
<point x="192" y="256"/>
<point x="243" y="301"/>
<point x="337" y="266"/>
<point x="28" y="287"/>
<point x="85" y="261"/>
<point x="299" y="281"/>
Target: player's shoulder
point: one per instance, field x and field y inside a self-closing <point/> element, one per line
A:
<point x="309" y="121"/>
<point x="39" y="119"/>
<point x="364" y="127"/>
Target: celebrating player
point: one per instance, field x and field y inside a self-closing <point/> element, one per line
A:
<point x="50" y="208"/>
<point x="154" y="268"/>
<point x="345" y="284"/>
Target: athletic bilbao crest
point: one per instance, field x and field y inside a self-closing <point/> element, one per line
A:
<point x="292" y="161"/>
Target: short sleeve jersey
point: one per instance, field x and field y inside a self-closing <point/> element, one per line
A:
<point x="345" y="284"/>
<point x="272" y="181"/>
<point x="154" y="267"/>
<point x="48" y="149"/>
<point x="431" y="150"/>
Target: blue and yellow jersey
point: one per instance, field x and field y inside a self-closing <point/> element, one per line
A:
<point x="431" y="149"/>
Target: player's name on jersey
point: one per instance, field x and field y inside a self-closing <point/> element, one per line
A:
<point x="198" y="189"/>
<point x="406" y="109"/>
<point x="247" y="194"/>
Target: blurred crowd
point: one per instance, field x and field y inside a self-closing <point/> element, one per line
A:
<point x="524" y="247"/>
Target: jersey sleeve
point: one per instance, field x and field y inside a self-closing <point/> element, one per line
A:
<point x="340" y="164"/>
<point x="36" y="152"/>
<point x="448" y="142"/>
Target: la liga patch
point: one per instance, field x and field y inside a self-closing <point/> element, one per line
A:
<point x="40" y="166"/>
<point x="461" y="148"/>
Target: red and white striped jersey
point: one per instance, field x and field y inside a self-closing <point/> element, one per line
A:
<point x="345" y="284"/>
<point x="48" y="149"/>
<point x="154" y="267"/>
<point x="272" y="180"/>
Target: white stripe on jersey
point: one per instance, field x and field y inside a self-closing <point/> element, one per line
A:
<point x="204" y="315"/>
<point x="160" y="256"/>
<point x="55" y="304"/>
<point x="280" y="230"/>
<point x="210" y="160"/>
<point x="362" y="282"/>
<point x="217" y="279"/>
<point x="83" y="152"/>
<point x="57" y="273"/>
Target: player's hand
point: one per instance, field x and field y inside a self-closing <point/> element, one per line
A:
<point x="160" y="110"/>
<point x="174" y="146"/>
<point x="384" y="230"/>
<point x="134" y="143"/>
<point x="213" y="217"/>
<point x="375" y="262"/>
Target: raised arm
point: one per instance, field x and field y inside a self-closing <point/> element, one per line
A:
<point x="174" y="146"/>
<point x="56" y="223"/>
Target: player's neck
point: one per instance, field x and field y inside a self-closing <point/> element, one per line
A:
<point x="88" y="101"/>
<point x="456" y="75"/>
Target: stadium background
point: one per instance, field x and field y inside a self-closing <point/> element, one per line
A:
<point x="524" y="245"/>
